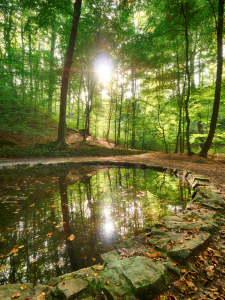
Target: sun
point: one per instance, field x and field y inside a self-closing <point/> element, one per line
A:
<point x="103" y="66"/>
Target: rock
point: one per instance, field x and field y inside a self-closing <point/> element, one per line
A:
<point x="197" y="183"/>
<point x="146" y="277"/>
<point x="127" y="244"/>
<point x="213" y="206"/>
<point x="189" y="266"/>
<point x="72" y="288"/>
<point x="116" y="287"/>
<point x="181" y="252"/>
<point x="172" y="218"/>
<point x="112" y="261"/>
<point x="53" y="281"/>
<point x="173" y="268"/>
<point x="209" y="194"/>
<point x="31" y="292"/>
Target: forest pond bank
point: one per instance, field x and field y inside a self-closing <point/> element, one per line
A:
<point x="56" y="220"/>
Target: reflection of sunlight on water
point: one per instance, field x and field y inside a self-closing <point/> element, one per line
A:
<point x="176" y="208"/>
<point x="108" y="227"/>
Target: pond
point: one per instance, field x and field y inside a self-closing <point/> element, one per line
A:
<point x="55" y="220"/>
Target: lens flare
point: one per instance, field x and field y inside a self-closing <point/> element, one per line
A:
<point x="103" y="66"/>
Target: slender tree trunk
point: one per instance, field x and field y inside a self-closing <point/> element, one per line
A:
<point x="51" y="65"/>
<point x="31" y="70"/>
<point x="66" y="73"/>
<point x="189" y="83"/>
<point x="78" y="101"/>
<point x="23" y="70"/>
<point x="115" y="121"/>
<point x="133" y="114"/>
<point x="110" y="116"/>
<point x="119" y="125"/>
<point x="179" y="136"/>
<point x="216" y="105"/>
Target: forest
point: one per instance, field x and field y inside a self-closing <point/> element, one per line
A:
<point x="142" y="74"/>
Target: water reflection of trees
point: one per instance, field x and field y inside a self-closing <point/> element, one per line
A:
<point x="99" y="208"/>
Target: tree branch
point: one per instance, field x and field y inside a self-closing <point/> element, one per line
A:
<point x="213" y="13"/>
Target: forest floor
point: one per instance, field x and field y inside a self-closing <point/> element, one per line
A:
<point x="209" y="282"/>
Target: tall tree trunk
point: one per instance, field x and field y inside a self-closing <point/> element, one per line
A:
<point x="23" y="59"/>
<point x="78" y="100"/>
<point x="115" y="119"/>
<point x="133" y="114"/>
<point x="110" y="116"/>
<point x="51" y="64"/>
<point x="66" y="73"/>
<point x="120" y="115"/>
<point x="180" y="104"/>
<point x="216" y="105"/>
<point x="189" y="82"/>
<point x="31" y="70"/>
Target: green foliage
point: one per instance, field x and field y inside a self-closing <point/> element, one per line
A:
<point x="144" y="100"/>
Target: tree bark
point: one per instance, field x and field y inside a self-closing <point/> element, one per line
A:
<point x="66" y="73"/>
<point x="216" y="105"/>
<point x="189" y="82"/>
<point x="51" y="65"/>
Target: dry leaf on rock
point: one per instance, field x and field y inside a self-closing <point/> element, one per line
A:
<point x="23" y="287"/>
<point x="15" y="295"/>
<point x="153" y="255"/>
<point x="41" y="296"/>
<point x="100" y="268"/>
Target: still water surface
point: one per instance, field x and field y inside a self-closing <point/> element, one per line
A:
<point x="57" y="220"/>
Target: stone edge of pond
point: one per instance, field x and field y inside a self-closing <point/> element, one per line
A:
<point x="141" y="266"/>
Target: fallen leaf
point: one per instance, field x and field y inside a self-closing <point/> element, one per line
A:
<point x="71" y="237"/>
<point x="95" y="274"/>
<point x="152" y="255"/>
<point x="15" y="295"/>
<point x="49" y="234"/>
<point x="100" y="268"/>
<point x="94" y="259"/>
<point x="59" y="248"/>
<point x="41" y="296"/>
<point x="14" y="250"/>
<point x="23" y="287"/>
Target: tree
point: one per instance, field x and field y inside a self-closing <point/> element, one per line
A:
<point x="219" y="28"/>
<point x="66" y="73"/>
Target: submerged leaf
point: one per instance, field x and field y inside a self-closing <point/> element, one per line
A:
<point x="15" y="295"/>
<point x="71" y="237"/>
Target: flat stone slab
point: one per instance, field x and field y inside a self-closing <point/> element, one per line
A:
<point x="31" y="292"/>
<point x="146" y="276"/>
<point x="72" y="288"/>
<point x="179" y="246"/>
